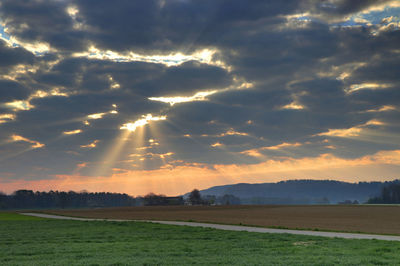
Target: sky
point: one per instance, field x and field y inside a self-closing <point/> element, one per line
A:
<point x="165" y="96"/>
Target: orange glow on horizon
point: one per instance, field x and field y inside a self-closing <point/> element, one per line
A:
<point x="384" y="165"/>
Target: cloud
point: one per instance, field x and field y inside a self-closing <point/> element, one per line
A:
<point x="198" y="96"/>
<point x="11" y="56"/>
<point x="11" y="91"/>
<point x="198" y="23"/>
<point x="258" y="152"/>
<point x="72" y="132"/>
<point x="217" y="144"/>
<point x="340" y="10"/>
<point x="4" y="118"/>
<point x="91" y="145"/>
<point x="351" y="132"/>
<point x="35" y="144"/>
<point x="141" y="122"/>
<point x="29" y="22"/>
<point x="234" y="83"/>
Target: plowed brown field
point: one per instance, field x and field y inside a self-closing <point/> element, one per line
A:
<point x="363" y="218"/>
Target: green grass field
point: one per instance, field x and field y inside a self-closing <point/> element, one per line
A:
<point x="35" y="241"/>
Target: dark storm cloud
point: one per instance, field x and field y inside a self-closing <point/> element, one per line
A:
<point x="373" y="99"/>
<point x="120" y="29"/>
<point x="189" y="25"/>
<point x="45" y="21"/>
<point x="170" y="25"/>
<point x="385" y="70"/>
<point x="136" y="78"/>
<point x="11" y="56"/>
<point x="267" y="97"/>
<point x="323" y="96"/>
<point x="88" y="83"/>
<point x="345" y="7"/>
<point x="374" y="45"/>
<point x="54" y="115"/>
<point x="10" y="90"/>
<point x="186" y="78"/>
<point x="148" y="25"/>
<point x="287" y="61"/>
<point x="154" y="25"/>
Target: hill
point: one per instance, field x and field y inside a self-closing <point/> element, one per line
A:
<point x="299" y="192"/>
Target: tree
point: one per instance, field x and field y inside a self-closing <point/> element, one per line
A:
<point x="209" y="200"/>
<point x="390" y="194"/>
<point x="229" y="199"/>
<point x="195" y="197"/>
<point x="24" y="198"/>
<point x="3" y="199"/>
<point x="27" y="199"/>
<point x="152" y="199"/>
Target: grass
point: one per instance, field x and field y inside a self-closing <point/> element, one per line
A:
<point x="30" y="241"/>
<point x="11" y="216"/>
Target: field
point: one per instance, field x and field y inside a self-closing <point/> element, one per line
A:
<point x="34" y="241"/>
<point x="347" y="218"/>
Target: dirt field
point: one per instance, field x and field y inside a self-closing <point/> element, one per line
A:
<point x="368" y="219"/>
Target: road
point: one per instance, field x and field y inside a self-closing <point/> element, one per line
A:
<point x="235" y="228"/>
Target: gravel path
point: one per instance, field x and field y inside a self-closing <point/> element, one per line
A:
<point x="235" y="228"/>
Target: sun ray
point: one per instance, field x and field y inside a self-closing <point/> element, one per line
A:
<point x="174" y="183"/>
<point x="184" y="132"/>
<point x="140" y="145"/>
<point x="155" y="132"/>
<point x="111" y="155"/>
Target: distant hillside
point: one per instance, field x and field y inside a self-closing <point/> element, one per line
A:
<point x="299" y="191"/>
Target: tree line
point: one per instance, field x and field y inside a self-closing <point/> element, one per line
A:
<point x="28" y="199"/>
<point x="390" y="194"/>
<point x="195" y="198"/>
